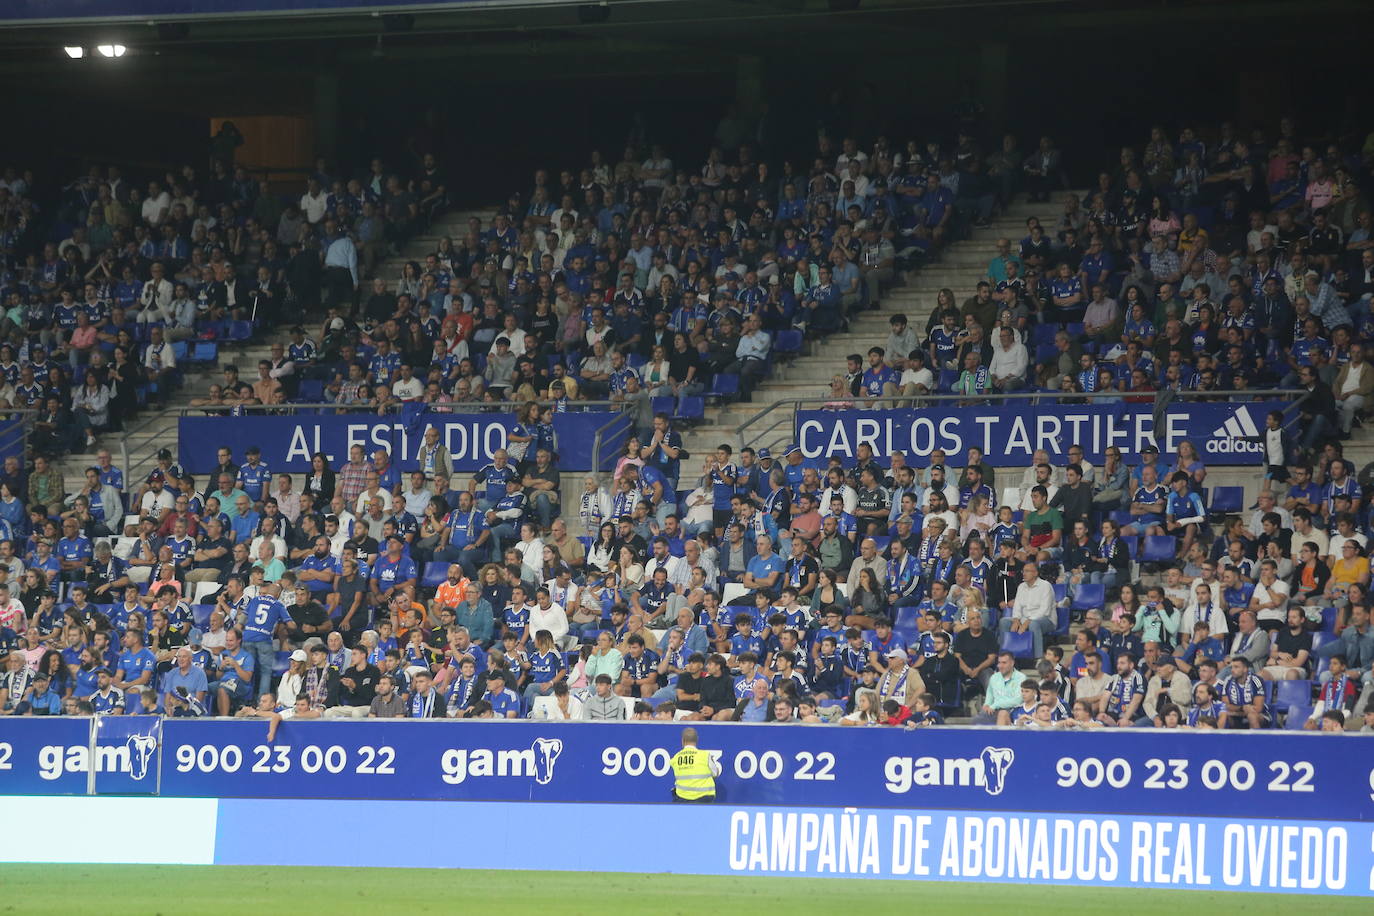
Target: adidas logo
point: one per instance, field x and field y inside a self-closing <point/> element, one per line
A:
<point x="1240" y="426"/>
<point x="1237" y="434"/>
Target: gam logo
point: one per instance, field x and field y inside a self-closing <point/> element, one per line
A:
<point x="536" y="761"/>
<point x="132" y="758"/>
<point x="989" y="770"/>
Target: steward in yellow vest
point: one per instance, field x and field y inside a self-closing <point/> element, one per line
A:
<point x="694" y="771"/>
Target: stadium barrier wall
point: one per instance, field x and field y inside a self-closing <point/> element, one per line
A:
<point x="1250" y="854"/>
<point x="1146" y="772"/>
<point x="287" y="442"/>
<point x="1010" y="432"/>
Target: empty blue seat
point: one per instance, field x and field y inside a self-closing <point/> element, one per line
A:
<point x="691" y="407"/>
<point x="1088" y="597"/>
<point x="240" y="330"/>
<point x="1020" y="645"/>
<point x="1297" y="715"/>
<point x="1328" y="618"/>
<point x="787" y="343"/>
<point x="200" y="615"/>
<point x="906" y="616"/>
<point x="206" y="351"/>
<point x="724" y="385"/>
<point x="1159" y="548"/>
<point x="1061" y="621"/>
<point x="1288" y="694"/>
<point x="666" y="405"/>
<point x="311" y="391"/>
<point x="434" y="575"/>
<point x="1227" y="499"/>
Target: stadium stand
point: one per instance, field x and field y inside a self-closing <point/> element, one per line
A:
<point x="710" y="556"/>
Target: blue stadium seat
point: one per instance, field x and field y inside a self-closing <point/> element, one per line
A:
<point x="1226" y="500"/>
<point x="906" y="616"/>
<point x="1297" y="715"/>
<point x="200" y="615"/>
<point x="1318" y="640"/>
<point x="1089" y="597"/>
<point x="691" y="407"/>
<point x="882" y="542"/>
<point x="1020" y="645"/>
<point x="1061" y="621"/>
<point x="1159" y="548"/>
<point x="787" y="343"/>
<point x="724" y="385"/>
<point x="1328" y="618"/>
<point x="635" y="360"/>
<point x="434" y="575"/>
<point x="240" y="330"/>
<point x="1061" y="591"/>
<point x="206" y="351"/>
<point x="1122" y="517"/>
<point x="666" y="405"/>
<point x="1288" y="694"/>
<point x="311" y="391"/>
<point x="947" y="379"/>
<point x="281" y="663"/>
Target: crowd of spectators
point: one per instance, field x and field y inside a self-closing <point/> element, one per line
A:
<point x="1234" y="263"/>
<point x="775" y="590"/>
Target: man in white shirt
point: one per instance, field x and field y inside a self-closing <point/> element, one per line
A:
<point x="418" y="496"/>
<point x="916" y="378"/>
<point x="314" y="202"/>
<point x="1352" y="387"/>
<point x="1008" y="362"/>
<point x="1033" y="610"/>
<point x="156" y="205"/>
<point x="679" y="573"/>
<point x="407" y="387"/>
<point x="155" y="299"/>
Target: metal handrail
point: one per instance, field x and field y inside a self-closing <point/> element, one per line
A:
<point x="601" y="434"/>
<point x="18" y="432"/>
<point x="292" y="408"/>
<point x="1161" y="399"/>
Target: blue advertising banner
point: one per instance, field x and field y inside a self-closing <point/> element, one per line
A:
<point x="1284" y="775"/>
<point x="1148" y="772"/>
<point x="127" y="748"/>
<point x="1304" y="856"/>
<point x="44" y="755"/>
<point x="287" y="442"/>
<point x="1010" y="435"/>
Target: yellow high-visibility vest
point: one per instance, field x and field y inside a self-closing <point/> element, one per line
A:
<point x="692" y="774"/>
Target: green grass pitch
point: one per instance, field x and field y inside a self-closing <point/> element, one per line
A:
<point x="112" y="890"/>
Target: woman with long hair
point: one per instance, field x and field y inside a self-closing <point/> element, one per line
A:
<point x="602" y="552"/>
<point x="60" y="678"/>
<point x="866" y="711"/>
<point x="827" y="594"/>
<point x="869" y="599"/>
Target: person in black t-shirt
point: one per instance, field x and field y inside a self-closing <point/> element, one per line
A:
<point x="357" y="685"/>
<point x="308" y="618"/>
